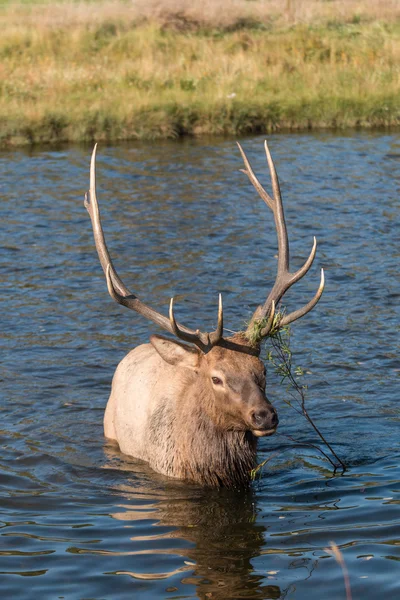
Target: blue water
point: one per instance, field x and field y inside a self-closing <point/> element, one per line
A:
<point x="78" y="519"/>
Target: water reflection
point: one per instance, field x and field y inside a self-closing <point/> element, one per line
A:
<point x="220" y="528"/>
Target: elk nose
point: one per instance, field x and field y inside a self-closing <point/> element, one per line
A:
<point x="265" y="419"/>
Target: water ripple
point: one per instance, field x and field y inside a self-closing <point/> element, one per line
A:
<point x="77" y="518"/>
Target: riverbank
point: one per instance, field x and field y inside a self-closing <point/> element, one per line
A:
<point x="114" y="71"/>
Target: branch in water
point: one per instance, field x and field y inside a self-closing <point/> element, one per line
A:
<point x="281" y="359"/>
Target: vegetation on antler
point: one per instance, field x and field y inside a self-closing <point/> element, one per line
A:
<point x="255" y="334"/>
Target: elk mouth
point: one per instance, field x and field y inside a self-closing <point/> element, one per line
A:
<point x="263" y="432"/>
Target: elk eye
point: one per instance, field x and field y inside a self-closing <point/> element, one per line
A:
<point x="216" y="380"/>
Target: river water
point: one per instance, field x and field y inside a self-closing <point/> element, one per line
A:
<point x="78" y="519"/>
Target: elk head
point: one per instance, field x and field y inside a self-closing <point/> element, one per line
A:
<point x="232" y="380"/>
<point x="227" y="370"/>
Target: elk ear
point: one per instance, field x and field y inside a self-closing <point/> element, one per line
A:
<point x="176" y="353"/>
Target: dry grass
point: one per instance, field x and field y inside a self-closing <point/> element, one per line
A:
<point x="114" y="70"/>
<point x="192" y="14"/>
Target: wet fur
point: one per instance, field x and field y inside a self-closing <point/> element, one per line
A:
<point x="197" y="450"/>
<point x="168" y="414"/>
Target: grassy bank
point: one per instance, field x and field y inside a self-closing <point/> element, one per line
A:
<point x="114" y="70"/>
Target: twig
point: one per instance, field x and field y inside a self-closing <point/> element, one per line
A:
<point x="282" y="362"/>
<point x="254" y="471"/>
<point x="312" y="446"/>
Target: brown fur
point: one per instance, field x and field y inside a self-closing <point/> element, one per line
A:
<point x="197" y="450"/>
<point x="166" y="409"/>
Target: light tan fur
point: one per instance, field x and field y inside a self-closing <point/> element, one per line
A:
<point x="165" y="409"/>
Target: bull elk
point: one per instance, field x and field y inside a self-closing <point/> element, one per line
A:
<point x="194" y="410"/>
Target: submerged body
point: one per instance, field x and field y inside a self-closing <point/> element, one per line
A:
<point x="182" y="423"/>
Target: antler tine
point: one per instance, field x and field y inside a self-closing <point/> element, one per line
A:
<point x="284" y="279"/>
<point x="293" y="316"/>
<point x="203" y="340"/>
<point x="306" y="267"/>
<point x="216" y="335"/>
<point x="116" y="288"/>
<point x="194" y="337"/>
<point x="92" y="207"/>
<point x="282" y="285"/>
<point x="120" y="293"/>
<point x="268" y="326"/>
<point x="283" y="242"/>
<point x="250" y="174"/>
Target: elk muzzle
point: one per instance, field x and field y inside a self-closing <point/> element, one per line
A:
<point x="264" y="421"/>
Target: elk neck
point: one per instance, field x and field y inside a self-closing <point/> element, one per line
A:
<point x="198" y="446"/>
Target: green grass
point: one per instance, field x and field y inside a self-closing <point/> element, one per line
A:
<point x="106" y="71"/>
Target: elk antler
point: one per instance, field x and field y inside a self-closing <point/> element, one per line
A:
<point x="284" y="279"/>
<point x="120" y="293"/>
